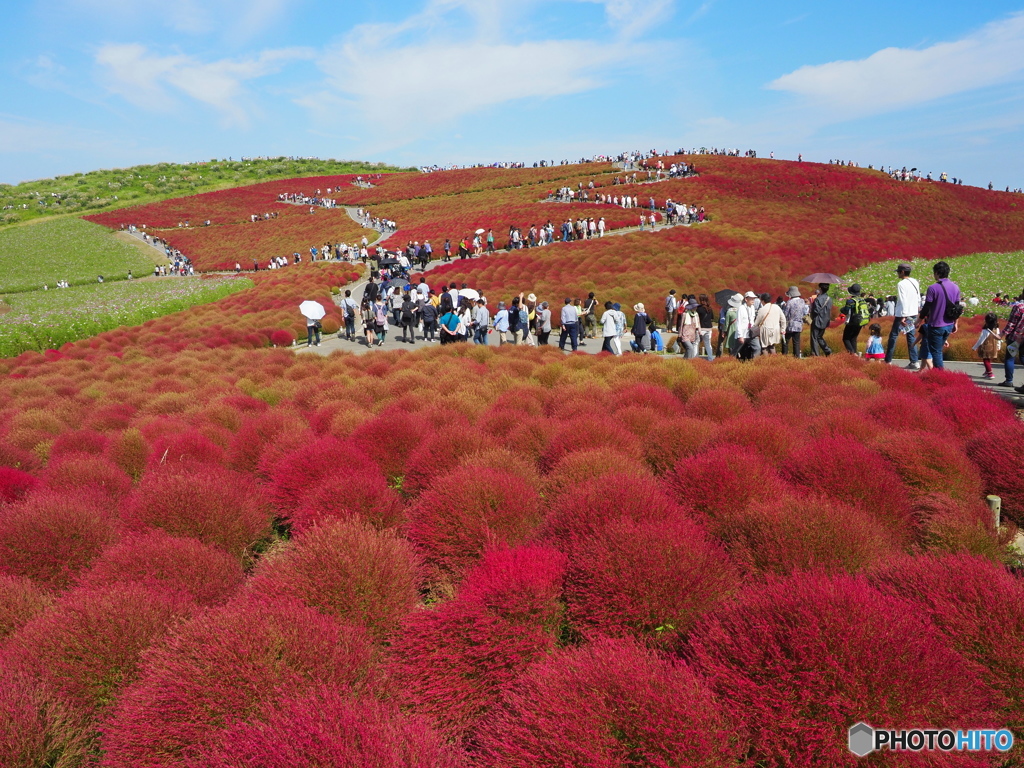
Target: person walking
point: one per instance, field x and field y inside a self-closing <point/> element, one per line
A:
<point x="858" y="314"/>
<point x="481" y="322"/>
<point x="348" y="312"/>
<point x="429" y="315"/>
<point x="821" y="316"/>
<point x="410" y="316"/>
<point x="590" y="316"/>
<point x="501" y="323"/>
<point x="707" y="321"/>
<point x="1013" y="335"/>
<point x="796" y="312"/>
<point x="641" y="334"/>
<point x="689" y="330"/>
<point x="905" y="312"/>
<point x="569" y="322"/>
<point x="608" y="328"/>
<point x="543" y="324"/>
<point x="369" y="323"/>
<point x="748" y="341"/>
<point x="988" y="344"/>
<point x="941" y="311"/>
<point x="671" y="305"/>
<point x="770" y="323"/>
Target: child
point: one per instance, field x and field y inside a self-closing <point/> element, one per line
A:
<point x="988" y="343"/>
<point x="875" y="350"/>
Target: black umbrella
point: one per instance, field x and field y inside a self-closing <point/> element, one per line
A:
<point x="823" y="277"/>
<point x="399" y="282"/>
<point x="723" y="296"/>
<point x="389" y="262"/>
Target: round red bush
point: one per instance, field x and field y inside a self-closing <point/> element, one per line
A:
<point x="348" y="570"/>
<point x="300" y="471"/>
<point x="215" y="505"/>
<point x="95" y="474"/>
<point x="20" y="601"/>
<point x="977" y="605"/>
<point x="80" y="441"/>
<point x="280" y="338"/>
<point x="220" y="669"/>
<point x="15" y="484"/>
<point x="52" y="536"/>
<point x="645" y="579"/>
<point x="156" y="559"/>
<point x="931" y="463"/>
<point x="809" y="531"/>
<point x="593" y="433"/>
<point x="329" y="728"/>
<point x="259" y="431"/>
<point x="850" y="471"/>
<point x="608" y="704"/>
<point x="86" y="646"/>
<point x="719" y="482"/>
<point x="190" y="447"/>
<point x="718" y="404"/>
<point x="586" y="465"/>
<point x="390" y="439"/>
<point x="469" y="510"/>
<point x="349" y="492"/>
<point x="801" y="659"/>
<point x="998" y="453"/>
<point x="36" y="728"/>
<point x="453" y="662"/>
<point x="972" y="410"/>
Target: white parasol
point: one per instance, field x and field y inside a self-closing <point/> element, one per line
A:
<point x="480" y="231"/>
<point x="314" y="310"/>
<point x="468" y="293"/>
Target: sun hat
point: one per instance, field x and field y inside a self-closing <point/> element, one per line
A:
<point x="531" y="297"/>
<point x="793" y="292"/>
<point x="692" y="305"/>
<point x="735" y="300"/>
<point x="749" y="295"/>
<point x="638" y="308"/>
<point x="855" y="289"/>
<point x="616" y="306"/>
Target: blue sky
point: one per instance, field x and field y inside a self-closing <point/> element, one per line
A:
<point x="109" y="83"/>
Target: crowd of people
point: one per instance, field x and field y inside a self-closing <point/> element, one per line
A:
<point x="316" y="200"/>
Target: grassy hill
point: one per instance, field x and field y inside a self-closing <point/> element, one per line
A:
<point x="107" y="189"/>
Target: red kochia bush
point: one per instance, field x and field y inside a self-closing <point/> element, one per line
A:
<point x="51" y="536"/>
<point x="721" y="481"/>
<point x="854" y="473"/>
<point x="801" y="659"/>
<point x="588" y="508"/>
<point x="158" y="560"/>
<point x="587" y="465"/>
<point x="256" y="432"/>
<point x="468" y="510"/>
<point x="977" y="605"/>
<point x="36" y="727"/>
<point x="15" y="484"/>
<point x="931" y="462"/>
<point x="329" y="728"/>
<point x="610" y="704"/>
<point x="20" y="601"/>
<point x="793" y="532"/>
<point x="212" y="504"/>
<point x="87" y="645"/>
<point x="190" y="447"/>
<point x="390" y="439"/>
<point x="453" y="662"/>
<point x="998" y="453"/>
<point x="301" y="470"/>
<point x="220" y="669"/>
<point x="349" y="492"/>
<point x="972" y="410"/>
<point x="650" y="580"/>
<point x="95" y="474"/>
<point x="346" y="569"/>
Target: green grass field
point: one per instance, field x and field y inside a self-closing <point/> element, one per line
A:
<point x="980" y="274"/>
<point x="42" y="320"/>
<point x="41" y="253"/>
<point x="97" y="191"/>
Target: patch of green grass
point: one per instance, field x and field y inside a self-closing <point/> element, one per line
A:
<point x="980" y="274"/>
<point x="71" y="249"/>
<point x="40" y="320"/>
<point x="105" y="190"/>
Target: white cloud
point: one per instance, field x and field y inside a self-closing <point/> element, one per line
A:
<point x="895" y="78"/>
<point x="150" y="80"/>
<point x="430" y="69"/>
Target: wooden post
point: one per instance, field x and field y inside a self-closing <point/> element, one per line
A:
<point x="995" y="504"/>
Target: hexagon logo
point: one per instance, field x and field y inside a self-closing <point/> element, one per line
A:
<point x="861" y="739"/>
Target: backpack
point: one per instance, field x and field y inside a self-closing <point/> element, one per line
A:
<point x="380" y="316"/>
<point x="861" y="312"/>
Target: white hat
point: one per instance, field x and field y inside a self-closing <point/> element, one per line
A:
<point x="531" y="297"/>
<point x="749" y="295"/>
<point x="735" y="300"/>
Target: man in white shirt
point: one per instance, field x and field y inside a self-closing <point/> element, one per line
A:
<point x="908" y="306"/>
<point x="570" y="326"/>
<point x="747" y="340"/>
